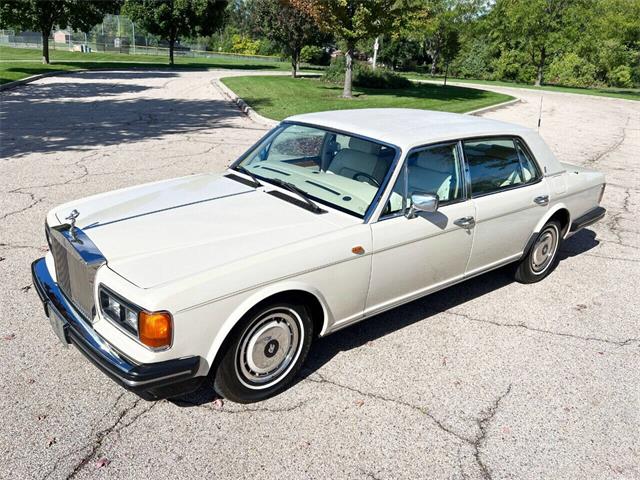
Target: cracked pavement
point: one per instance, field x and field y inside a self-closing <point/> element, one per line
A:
<point x="489" y="379"/>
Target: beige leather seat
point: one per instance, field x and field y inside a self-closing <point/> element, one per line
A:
<point x="434" y="171"/>
<point x="361" y="157"/>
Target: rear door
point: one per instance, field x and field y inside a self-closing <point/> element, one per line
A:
<point x="509" y="196"/>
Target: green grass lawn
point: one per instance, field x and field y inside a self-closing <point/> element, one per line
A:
<point x="626" y="93"/>
<point x="280" y="97"/>
<point x="17" y="63"/>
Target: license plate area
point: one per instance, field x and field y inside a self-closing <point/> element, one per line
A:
<point x="59" y="325"/>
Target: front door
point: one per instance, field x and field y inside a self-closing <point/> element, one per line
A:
<point x="413" y="256"/>
<point x="509" y="196"/>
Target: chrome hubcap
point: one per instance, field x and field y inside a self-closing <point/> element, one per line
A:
<point x="269" y="346"/>
<point x="544" y="249"/>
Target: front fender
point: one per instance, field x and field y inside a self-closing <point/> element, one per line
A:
<point x="257" y="296"/>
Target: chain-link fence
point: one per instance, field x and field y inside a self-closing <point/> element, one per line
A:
<point x="117" y="34"/>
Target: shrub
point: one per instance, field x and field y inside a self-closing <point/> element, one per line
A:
<point x="621" y="77"/>
<point x="572" y="71"/>
<point x="474" y="60"/>
<point x="244" y="45"/>
<point x="314" y="55"/>
<point x="511" y="66"/>
<point x="365" y="76"/>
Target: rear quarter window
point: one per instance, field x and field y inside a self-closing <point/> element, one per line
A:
<point x="497" y="164"/>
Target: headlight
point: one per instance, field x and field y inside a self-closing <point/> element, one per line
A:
<point x="153" y="329"/>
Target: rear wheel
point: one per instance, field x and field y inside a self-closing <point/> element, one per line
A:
<point x="542" y="256"/>
<point x="264" y="352"/>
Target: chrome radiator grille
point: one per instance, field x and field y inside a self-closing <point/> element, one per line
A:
<point x="76" y="261"/>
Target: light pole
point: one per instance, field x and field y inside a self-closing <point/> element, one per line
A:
<point x="133" y="29"/>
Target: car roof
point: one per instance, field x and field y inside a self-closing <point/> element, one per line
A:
<point x="407" y="127"/>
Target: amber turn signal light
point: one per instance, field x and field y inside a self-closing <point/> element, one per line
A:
<point x="155" y="329"/>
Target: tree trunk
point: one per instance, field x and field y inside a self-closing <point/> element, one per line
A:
<point x="446" y="72"/>
<point x="348" y="72"/>
<point x="295" y="62"/>
<point x="434" y="60"/>
<point x="172" y="43"/>
<point x="540" y="72"/>
<point x="45" y="47"/>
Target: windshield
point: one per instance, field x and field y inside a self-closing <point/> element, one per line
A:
<point x="336" y="169"/>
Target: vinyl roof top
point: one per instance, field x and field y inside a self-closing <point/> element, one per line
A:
<point x="405" y="127"/>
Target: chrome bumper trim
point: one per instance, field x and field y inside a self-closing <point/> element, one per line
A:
<point x="78" y="331"/>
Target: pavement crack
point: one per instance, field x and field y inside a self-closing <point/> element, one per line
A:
<point x="33" y="202"/>
<point x="437" y="422"/>
<point x="118" y="425"/>
<point x="613" y="147"/>
<point x="20" y="247"/>
<point x="618" y="343"/>
<point x="369" y="474"/>
<point x="93" y="446"/>
<point x="484" y="422"/>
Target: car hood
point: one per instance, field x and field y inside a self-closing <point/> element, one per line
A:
<point x="157" y="233"/>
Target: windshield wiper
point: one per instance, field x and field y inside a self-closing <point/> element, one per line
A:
<point x="244" y="170"/>
<point x="298" y="191"/>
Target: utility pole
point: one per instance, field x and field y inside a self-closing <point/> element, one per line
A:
<point x="133" y="29"/>
<point x="376" y="45"/>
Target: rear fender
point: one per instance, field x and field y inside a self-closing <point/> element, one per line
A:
<point x="543" y="221"/>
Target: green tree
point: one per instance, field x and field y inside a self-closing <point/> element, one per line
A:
<point x="42" y="15"/>
<point x="400" y="52"/>
<point x="609" y="38"/>
<point x="173" y="19"/>
<point x="352" y="20"/>
<point x="288" y="27"/>
<point x="539" y="27"/>
<point x="437" y="24"/>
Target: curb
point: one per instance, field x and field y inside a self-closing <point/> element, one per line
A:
<point x="241" y="104"/>
<point x="492" y="108"/>
<point x="33" y="78"/>
<point x="478" y="111"/>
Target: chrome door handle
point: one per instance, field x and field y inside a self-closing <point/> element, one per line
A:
<point x="466" y="222"/>
<point x="542" y="200"/>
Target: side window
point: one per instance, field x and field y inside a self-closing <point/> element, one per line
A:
<point x="494" y="165"/>
<point x="530" y="172"/>
<point x="434" y="170"/>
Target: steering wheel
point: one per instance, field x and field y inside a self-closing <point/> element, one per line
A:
<point x="367" y="177"/>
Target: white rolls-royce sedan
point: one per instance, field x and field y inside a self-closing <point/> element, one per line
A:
<point x="329" y="219"/>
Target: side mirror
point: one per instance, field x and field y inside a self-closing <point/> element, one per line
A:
<point x="423" y="202"/>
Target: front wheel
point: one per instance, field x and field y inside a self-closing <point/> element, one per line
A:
<point x="264" y="352"/>
<point x="542" y="256"/>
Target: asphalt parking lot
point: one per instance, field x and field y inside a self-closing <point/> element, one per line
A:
<point x="487" y="379"/>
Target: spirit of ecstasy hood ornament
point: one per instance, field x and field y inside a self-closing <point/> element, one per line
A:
<point x="72" y="219"/>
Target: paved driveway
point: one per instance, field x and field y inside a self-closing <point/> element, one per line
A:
<point x="488" y="379"/>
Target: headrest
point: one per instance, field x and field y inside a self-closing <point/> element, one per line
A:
<point x="364" y="146"/>
<point x="441" y="160"/>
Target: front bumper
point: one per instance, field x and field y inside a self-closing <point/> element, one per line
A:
<point x="157" y="380"/>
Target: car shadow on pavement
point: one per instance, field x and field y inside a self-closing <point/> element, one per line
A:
<point x="324" y="349"/>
